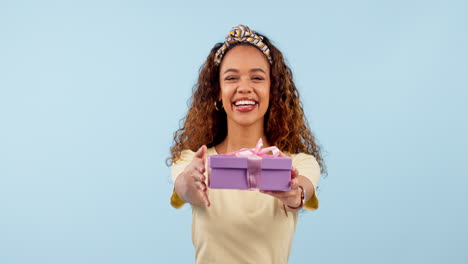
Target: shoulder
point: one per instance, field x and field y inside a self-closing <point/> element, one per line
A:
<point x="177" y="167"/>
<point x="186" y="153"/>
<point x="304" y="160"/>
<point x="211" y="151"/>
<point x="186" y="156"/>
<point x="302" y="157"/>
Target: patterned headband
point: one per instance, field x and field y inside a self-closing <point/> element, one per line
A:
<point x="242" y="33"/>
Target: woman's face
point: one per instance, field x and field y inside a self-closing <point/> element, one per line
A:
<point x="244" y="78"/>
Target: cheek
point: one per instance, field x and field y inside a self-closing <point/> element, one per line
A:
<point x="228" y="89"/>
<point x="222" y="91"/>
<point x="267" y="97"/>
<point x="266" y="94"/>
<point x="225" y="95"/>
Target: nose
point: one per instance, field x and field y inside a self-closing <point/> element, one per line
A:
<point x="244" y="87"/>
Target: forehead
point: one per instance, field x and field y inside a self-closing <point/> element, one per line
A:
<point x="244" y="57"/>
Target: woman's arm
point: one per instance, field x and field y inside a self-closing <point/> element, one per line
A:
<point x="309" y="190"/>
<point x="293" y="197"/>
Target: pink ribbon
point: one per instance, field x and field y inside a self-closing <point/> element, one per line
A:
<point x="257" y="151"/>
<point x="254" y="162"/>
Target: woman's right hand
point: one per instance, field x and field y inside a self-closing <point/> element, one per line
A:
<point x="190" y="184"/>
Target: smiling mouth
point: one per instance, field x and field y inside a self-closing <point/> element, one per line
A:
<point x="244" y="105"/>
<point x="245" y="102"/>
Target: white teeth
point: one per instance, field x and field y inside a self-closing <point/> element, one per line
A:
<point x="244" y="102"/>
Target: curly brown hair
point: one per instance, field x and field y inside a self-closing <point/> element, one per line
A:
<point x="285" y="123"/>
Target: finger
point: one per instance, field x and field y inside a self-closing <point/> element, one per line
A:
<point x="197" y="176"/>
<point x="294" y="184"/>
<point x="201" y="186"/>
<point x="205" y="199"/>
<point x="294" y="173"/>
<point x="200" y="166"/>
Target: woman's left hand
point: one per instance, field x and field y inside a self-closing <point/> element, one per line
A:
<point x="292" y="197"/>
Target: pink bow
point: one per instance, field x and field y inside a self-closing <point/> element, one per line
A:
<point x="257" y="151"/>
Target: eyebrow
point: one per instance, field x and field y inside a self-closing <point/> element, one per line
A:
<point x="251" y="70"/>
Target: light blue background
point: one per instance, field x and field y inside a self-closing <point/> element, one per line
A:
<point x="91" y="92"/>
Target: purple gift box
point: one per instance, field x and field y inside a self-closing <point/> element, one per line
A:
<point x="264" y="173"/>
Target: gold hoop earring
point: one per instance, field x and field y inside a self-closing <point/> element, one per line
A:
<point x="216" y="105"/>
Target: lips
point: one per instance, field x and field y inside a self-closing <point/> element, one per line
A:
<point x="244" y="104"/>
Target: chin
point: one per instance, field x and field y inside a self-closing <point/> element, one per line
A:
<point x="246" y="122"/>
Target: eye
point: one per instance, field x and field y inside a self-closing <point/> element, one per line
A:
<point x="231" y="78"/>
<point x="258" y="78"/>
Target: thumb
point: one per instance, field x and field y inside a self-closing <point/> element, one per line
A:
<point x="201" y="152"/>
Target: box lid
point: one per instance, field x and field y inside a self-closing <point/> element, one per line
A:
<point x="220" y="161"/>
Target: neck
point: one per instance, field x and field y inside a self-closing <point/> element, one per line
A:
<point x="242" y="137"/>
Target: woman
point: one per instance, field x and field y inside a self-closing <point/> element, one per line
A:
<point x="245" y="92"/>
